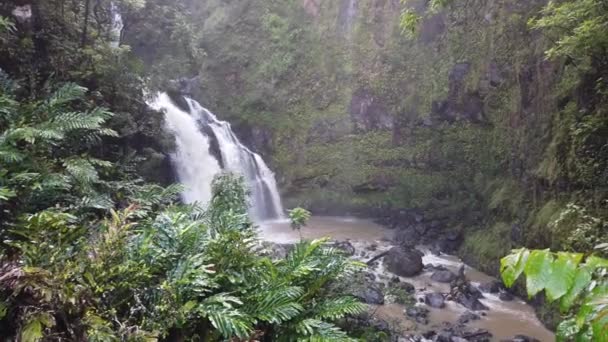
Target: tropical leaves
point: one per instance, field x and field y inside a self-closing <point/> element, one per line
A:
<point x="42" y="166"/>
<point x="152" y="267"/>
<point x="565" y="277"/>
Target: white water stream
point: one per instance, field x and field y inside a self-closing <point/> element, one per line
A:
<point x="504" y="320"/>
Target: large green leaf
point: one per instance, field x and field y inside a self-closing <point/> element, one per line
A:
<point x="582" y="278"/>
<point x="538" y="271"/>
<point x="512" y="265"/>
<point x="561" y="277"/>
<point x="596" y="262"/>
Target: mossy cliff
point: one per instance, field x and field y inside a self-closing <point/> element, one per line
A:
<point x="468" y="123"/>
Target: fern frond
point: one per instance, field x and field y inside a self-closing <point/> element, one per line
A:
<point x="6" y="193"/>
<point x="31" y="134"/>
<point x="82" y="170"/>
<point x="315" y="330"/>
<point x="276" y="305"/>
<point x="337" y="308"/>
<point x="10" y="155"/>
<point x="72" y="121"/>
<point x="67" y="93"/>
<point x="97" y="201"/>
<point x="229" y="321"/>
<point x="56" y="181"/>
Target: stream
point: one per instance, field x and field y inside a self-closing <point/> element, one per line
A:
<point x="504" y="319"/>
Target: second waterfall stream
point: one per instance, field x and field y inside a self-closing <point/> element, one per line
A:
<point x="197" y="131"/>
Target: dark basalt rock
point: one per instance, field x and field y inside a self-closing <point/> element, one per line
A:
<point x="505" y="296"/>
<point x="458" y="333"/>
<point x="468" y="317"/>
<point x="345" y="246"/>
<point x="493" y="286"/>
<point x="404" y="262"/>
<point x="418" y="314"/>
<point x="470" y="302"/>
<point x="373" y="295"/>
<point x="434" y="300"/>
<point x="443" y="276"/>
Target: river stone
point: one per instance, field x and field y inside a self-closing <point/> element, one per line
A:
<point x="403" y="262"/>
<point x="419" y="314"/>
<point x="344" y="246"/>
<point x="491" y="287"/>
<point x="443" y="276"/>
<point x="372" y="294"/>
<point x="458" y="339"/>
<point x="470" y="302"/>
<point x="405" y="286"/>
<point x="434" y="300"/>
<point x="505" y="296"/>
<point x="523" y="338"/>
<point x="467" y="317"/>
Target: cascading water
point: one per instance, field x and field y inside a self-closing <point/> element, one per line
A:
<point x="117" y="25"/>
<point x="195" y="131"/>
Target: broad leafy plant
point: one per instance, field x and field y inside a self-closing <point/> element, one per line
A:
<point x="579" y="284"/>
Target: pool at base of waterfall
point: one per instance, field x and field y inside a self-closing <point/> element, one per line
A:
<point x="504" y="319"/>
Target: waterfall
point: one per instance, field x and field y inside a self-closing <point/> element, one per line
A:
<point x="196" y="132"/>
<point x="117" y="25"/>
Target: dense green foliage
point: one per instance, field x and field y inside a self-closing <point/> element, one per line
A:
<point x="488" y="117"/>
<point x="142" y="275"/>
<point x="91" y="250"/>
<point x="148" y="271"/>
<point x="576" y="284"/>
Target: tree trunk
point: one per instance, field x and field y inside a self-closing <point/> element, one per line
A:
<point x="85" y="27"/>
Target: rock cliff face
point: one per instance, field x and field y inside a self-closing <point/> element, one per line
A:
<point x="464" y="123"/>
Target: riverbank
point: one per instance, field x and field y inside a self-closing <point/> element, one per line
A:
<point x="500" y="316"/>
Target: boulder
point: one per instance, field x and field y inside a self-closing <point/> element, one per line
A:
<point x="371" y="294"/>
<point x="418" y="314"/>
<point x="403" y="262"/>
<point x="450" y="242"/>
<point x="493" y="286"/>
<point x="434" y="300"/>
<point x="470" y="302"/>
<point x="443" y="276"/>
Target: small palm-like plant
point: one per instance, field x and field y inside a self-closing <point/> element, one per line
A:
<point x="299" y="218"/>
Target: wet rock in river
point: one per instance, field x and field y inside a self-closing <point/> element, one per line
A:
<point x="443" y="276"/>
<point x="491" y="287"/>
<point x="470" y="302"/>
<point x="418" y="314"/>
<point x="434" y="300"/>
<point x="345" y="246"/>
<point x="371" y="294"/>
<point x="522" y="338"/>
<point x="505" y="296"/>
<point x="403" y="262"/>
<point x="468" y="317"/>
<point x="405" y="286"/>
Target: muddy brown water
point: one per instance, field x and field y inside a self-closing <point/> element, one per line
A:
<point x="503" y="320"/>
